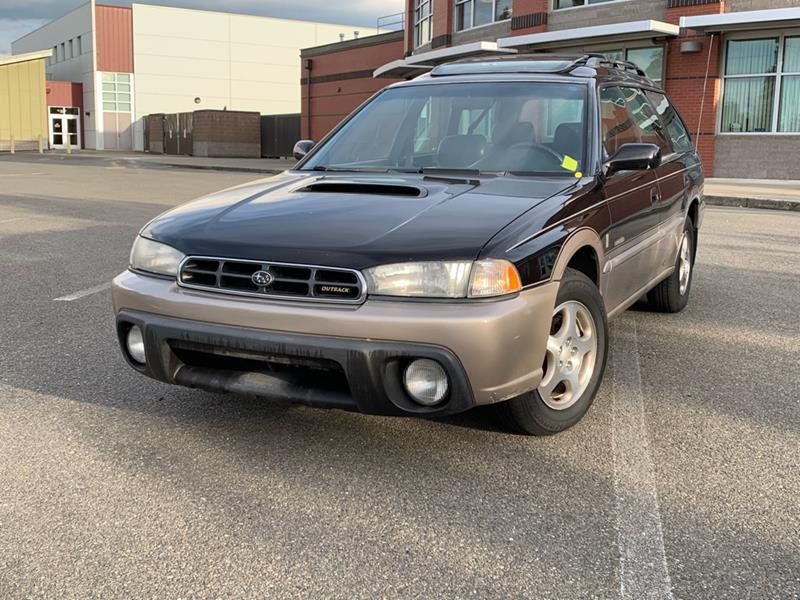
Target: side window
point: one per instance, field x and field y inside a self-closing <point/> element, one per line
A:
<point x="647" y="123"/>
<point x="616" y="121"/>
<point x="676" y="130"/>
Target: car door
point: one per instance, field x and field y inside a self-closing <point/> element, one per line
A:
<point x="673" y="176"/>
<point x="630" y="196"/>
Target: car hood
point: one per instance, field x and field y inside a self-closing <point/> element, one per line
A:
<point x="352" y="221"/>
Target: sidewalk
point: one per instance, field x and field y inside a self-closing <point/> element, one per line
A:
<point x="140" y="159"/>
<point x="753" y="193"/>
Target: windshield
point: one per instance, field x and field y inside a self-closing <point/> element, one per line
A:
<point x="526" y="128"/>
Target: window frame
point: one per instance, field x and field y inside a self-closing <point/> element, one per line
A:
<point x="116" y="78"/>
<point x="781" y="35"/>
<point x="418" y="4"/>
<point x="585" y="4"/>
<point x="456" y="4"/>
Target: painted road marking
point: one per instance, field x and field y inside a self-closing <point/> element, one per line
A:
<point x="83" y="293"/>
<point x="643" y="564"/>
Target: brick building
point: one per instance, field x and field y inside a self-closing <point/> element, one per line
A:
<point x="731" y="66"/>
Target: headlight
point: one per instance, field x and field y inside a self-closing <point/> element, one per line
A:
<point x="444" y="279"/>
<point x="154" y="257"/>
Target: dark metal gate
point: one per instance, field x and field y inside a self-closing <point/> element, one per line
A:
<point x="279" y="133"/>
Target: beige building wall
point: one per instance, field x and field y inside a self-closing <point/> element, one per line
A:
<point x="73" y="62"/>
<point x="23" y="105"/>
<point x="238" y="62"/>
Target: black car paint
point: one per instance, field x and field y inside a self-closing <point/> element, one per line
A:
<point x="523" y="219"/>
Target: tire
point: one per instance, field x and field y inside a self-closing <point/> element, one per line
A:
<point x="672" y="294"/>
<point x="547" y="410"/>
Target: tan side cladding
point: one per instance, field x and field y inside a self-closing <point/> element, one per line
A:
<point x="501" y="344"/>
<point x="576" y="241"/>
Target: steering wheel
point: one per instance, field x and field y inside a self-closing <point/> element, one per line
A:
<point x="541" y="149"/>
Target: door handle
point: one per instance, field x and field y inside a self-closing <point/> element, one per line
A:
<point x="655" y="196"/>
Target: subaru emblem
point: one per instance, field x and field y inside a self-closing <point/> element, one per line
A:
<point x="261" y="278"/>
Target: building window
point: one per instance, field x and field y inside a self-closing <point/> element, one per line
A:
<point x="650" y="59"/>
<point x="762" y="85"/>
<point x="422" y="22"/>
<point x="573" y="3"/>
<point x="474" y="13"/>
<point x="79" y="43"/>
<point x="116" y="92"/>
<point x="63" y="51"/>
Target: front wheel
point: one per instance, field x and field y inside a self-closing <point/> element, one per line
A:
<point x="574" y="362"/>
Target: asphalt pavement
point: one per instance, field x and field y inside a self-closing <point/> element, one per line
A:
<point x="682" y="481"/>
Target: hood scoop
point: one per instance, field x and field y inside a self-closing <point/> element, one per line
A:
<point x="357" y="187"/>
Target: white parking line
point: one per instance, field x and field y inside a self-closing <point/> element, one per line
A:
<point x="83" y="293"/>
<point x="643" y="564"/>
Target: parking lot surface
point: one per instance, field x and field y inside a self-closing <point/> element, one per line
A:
<point x="682" y="481"/>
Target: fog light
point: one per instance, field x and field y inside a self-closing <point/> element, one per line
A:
<point x="426" y="382"/>
<point x="135" y="344"/>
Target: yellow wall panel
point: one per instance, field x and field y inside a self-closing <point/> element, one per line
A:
<point x="23" y="101"/>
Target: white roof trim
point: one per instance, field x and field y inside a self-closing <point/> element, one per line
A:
<point x="18" y="58"/>
<point x="464" y="50"/>
<point x="425" y="61"/>
<point x="749" y="19"/>
<point x="631" y="29"/>
<point x="400" y="68"/>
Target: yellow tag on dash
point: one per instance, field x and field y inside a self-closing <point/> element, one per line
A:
<point x="569" y="163"/>
<point x="578" y="174"/>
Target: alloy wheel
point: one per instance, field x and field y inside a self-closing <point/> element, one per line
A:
<point x="571" y="355"/>
<point x="685" y="264"/>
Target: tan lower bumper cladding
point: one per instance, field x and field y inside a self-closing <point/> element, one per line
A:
<point x="500" y="344"/>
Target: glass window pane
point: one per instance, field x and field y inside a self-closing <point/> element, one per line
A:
<point x="124" y="77"/>
<point x="108" y="77"/>
<point x="425" y="31"/>
<point x="614" y="54"/>
<point x="681" y="142"/>
<point x="790" y="104"/>
<point x="124" y="107"/>
<point x="791" y="55"/>
<point x="650" y="60"/>
<point x="502" y="10"/>
<point x="617" y="124"/>
<point x="108" y="87"/>
<point x="747" y="104"/>
<point x="110" y="96"/>
<point x="646" y="119"/>
<point x="110" y="106"/>
<point x="484" y="12"/>
<point x="568" y="3"/>
<point x="121" y="97"/>
<point x="750" y="57"/>
<point x="123" y="87"/>
<point x="464" y="15"/>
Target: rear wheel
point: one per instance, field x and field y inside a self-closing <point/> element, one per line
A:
<point x="672" y="294"/>
<point x="573" y="366"/>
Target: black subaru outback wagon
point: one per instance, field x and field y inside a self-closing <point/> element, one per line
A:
<point x="461" y="239"/>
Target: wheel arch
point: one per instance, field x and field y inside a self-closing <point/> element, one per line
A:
<point x="583" y="251"/>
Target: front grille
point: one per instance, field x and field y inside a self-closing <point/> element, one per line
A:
<point x="286" y="281"/>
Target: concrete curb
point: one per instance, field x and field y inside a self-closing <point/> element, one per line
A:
<point x="219" y="168"/>
<point x="763" y="203"/>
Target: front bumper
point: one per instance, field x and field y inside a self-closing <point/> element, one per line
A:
<point x="331" y="355"/>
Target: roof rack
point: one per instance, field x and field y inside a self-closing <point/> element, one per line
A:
<point x="601" y="60"/>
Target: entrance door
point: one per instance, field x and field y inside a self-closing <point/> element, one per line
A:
<point x="65" y="127"/>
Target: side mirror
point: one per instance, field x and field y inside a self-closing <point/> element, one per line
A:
<point x="633" y="157"/>
<point x="302" y="148"/>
